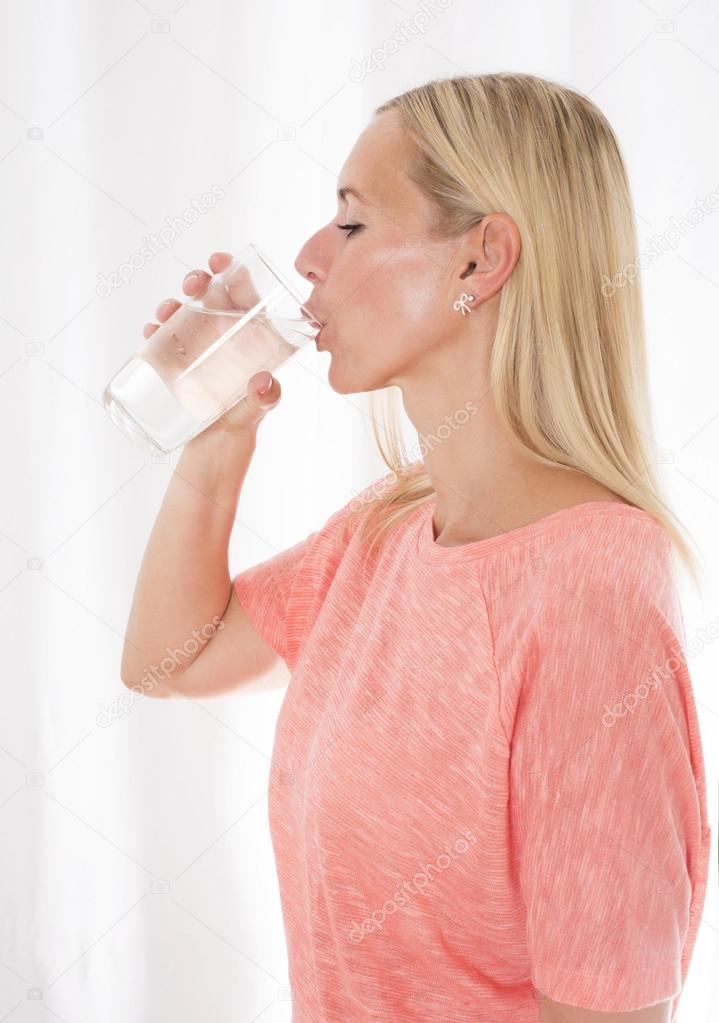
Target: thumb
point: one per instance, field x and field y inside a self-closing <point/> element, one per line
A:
<point x="251" y="410"/>
<point x="263" y="392"/>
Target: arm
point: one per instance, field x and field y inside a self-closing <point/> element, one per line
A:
<point x="183" y="603"/>
<point x="558" y="1012"/>
<point x="184" y="609"/>
<point x="607" y="795"/>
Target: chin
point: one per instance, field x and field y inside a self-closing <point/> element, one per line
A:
<point x="342" y="385"/>
<point x="344" y="381"/>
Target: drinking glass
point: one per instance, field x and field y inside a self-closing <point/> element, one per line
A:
<point x="197" y="364"/>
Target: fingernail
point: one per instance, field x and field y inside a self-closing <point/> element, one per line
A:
<point x="268" y="382"/>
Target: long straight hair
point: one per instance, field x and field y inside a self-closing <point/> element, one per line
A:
<point x="568" y="366"/>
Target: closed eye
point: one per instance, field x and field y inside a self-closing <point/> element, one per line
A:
<point x="349" y="228"/>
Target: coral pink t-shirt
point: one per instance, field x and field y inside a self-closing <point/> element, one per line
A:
<point x="487" y="773"/>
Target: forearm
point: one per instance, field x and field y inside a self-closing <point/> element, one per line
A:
<point x="557" y="1012"/>
<point x="184" y="584"/>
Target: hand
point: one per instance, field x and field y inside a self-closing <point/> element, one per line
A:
<point x="250" y="411"/>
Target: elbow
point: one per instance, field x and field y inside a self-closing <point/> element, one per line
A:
<point x="151" y="689"/>
<point x="147" y="686"/>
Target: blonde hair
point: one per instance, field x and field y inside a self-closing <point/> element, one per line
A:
<point x="568" y="367"/>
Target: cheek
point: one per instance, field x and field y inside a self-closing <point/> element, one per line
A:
<point x="398" y="288"/>
<point x="404" y="302"/>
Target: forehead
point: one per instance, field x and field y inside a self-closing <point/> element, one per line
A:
<point x="377" y="166"/>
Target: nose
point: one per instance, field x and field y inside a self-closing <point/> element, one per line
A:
<point x="311" y="261"/>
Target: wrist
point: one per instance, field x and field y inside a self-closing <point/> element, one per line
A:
<point x="221" y="440"/>
<point x="215" y="462"/>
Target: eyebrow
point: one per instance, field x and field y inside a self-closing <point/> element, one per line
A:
<point x="342" y="193"/>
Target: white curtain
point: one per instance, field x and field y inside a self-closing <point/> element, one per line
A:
<point x="137" y="878"/>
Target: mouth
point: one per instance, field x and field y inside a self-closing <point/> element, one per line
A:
<point x="311" y="317"/>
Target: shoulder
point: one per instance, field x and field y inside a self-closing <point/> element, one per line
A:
<point x="345" y="521"/>
<point x="593" y="607"/>
<point x="338" y="530"/>
<point x="613" y="562"/>
<point x="608" y="624"/>
<point x="375" y="490"/>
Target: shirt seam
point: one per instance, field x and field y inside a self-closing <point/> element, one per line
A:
<point x="490" y="627"/>
<point x="614" y="509"/>
<point x="492" y="645"/>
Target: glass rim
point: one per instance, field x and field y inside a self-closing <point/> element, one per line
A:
<point x="280" y="276"/>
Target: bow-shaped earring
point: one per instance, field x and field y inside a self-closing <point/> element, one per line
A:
<point x="461" y="303"/>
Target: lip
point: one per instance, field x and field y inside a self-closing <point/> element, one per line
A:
<point x="311" y="317"/>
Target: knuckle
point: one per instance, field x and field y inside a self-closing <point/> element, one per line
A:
<point x="199" y="274"/>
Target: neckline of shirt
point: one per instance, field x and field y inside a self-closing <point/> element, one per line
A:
<point x="429" y="550"/>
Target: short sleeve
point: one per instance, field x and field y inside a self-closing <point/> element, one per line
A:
<point x="606" y="788"/>
<point x="280" y="595"/>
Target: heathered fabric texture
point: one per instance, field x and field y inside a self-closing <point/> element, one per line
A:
<point x="487" y="772"/>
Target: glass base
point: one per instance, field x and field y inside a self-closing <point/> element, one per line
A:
<point x="125" y="423"/>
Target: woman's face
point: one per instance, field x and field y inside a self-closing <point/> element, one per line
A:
<point x="385" y="289"/>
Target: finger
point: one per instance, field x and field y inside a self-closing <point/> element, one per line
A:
<point x="240" y="288"/>
<point x="221" y="291"/>
<point x="149" y="329"/>
<point x="270" y="389"/>
<point x="165" y="309"/>
<point x="195" y="283"/>
<point x="219" y="261"/>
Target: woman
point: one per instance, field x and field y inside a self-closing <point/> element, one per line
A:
<point x="487" y="797"/>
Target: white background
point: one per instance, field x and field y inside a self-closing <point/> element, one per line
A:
<point x="136" y="872"/>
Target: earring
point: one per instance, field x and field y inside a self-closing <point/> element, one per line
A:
<point x="461" y="303"/>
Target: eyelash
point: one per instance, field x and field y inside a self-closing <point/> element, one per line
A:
<point x="349" y="228"/>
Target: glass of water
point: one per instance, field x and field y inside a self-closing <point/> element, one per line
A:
<point x="198" y="363"/>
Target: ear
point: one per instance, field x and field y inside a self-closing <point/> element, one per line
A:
<point x="487" y="255"/>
